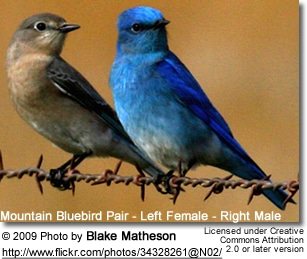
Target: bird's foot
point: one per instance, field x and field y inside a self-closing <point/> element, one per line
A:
<point x="171" y="185"/>
<point x="59" y="177"/>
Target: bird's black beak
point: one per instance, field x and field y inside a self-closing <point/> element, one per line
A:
<point x="68" y="27"/>
<point x="160" y="23"/>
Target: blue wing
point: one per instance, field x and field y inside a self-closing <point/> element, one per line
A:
<point x="193" y="97"/>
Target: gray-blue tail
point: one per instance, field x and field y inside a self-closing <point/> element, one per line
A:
<point x="252" y="171"/>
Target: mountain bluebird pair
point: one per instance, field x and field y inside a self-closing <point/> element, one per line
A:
<point x="163" y="108"/>
<point x="58" y="102"/>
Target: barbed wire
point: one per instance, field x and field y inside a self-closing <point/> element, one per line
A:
<point x="171" y="183"/>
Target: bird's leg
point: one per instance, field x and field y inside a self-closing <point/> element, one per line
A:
<point x="179" y="168"/>
<point x="190" y="165"/>
<point x="142" y="185"/>
<point x="182" y="172"/>
<point x="57" y="175"/>
<point x="77" y="160"/>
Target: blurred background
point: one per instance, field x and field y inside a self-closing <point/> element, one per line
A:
<point x="245" y="54"/>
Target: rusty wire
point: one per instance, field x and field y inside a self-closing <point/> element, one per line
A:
<point x="173" y="182"/>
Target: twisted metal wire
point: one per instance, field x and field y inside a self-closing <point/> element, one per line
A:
<point x="173" y="183"/>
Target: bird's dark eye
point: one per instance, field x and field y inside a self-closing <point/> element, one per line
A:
<point x="40" y="26"/>
<point x="136" y="28"/>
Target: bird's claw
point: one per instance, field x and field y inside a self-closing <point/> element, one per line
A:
<point x="164" y="180"/>
<point x="170" y="185"/>
<point x="57" y="179"/>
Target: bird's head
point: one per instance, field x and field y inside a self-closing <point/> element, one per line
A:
<point x="141" y="30"/>
<point x="43" y="32"/>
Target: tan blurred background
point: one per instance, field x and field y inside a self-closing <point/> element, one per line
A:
<point x="245" y="54"/>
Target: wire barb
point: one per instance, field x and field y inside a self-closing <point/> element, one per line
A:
<point x="39" y="164"/>
<point x="1" y="165"/>
<point x="1" y="162"/>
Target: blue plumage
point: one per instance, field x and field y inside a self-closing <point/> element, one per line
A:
<point x="163" y="108"/>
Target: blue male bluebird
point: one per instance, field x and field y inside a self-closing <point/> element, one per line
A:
<point x="58" y="102"/>
<point x="163" y="108"/>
